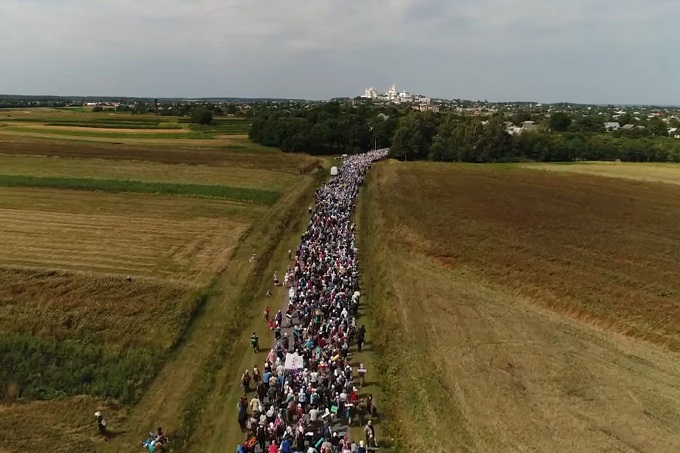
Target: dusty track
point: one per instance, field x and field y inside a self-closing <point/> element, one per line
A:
<point x="192" y="378"/>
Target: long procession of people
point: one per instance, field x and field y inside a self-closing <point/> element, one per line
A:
<point x="308" y="393"/>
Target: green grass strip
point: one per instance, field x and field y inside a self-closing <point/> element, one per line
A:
<point x="114" y="134"/>
<point x="119" y="125"/>
<point x="160" y="188"/>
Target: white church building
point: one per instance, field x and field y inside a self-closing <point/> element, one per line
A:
<point x="392" y="95"/>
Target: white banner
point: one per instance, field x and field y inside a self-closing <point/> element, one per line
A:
<point x="294" y="361"/>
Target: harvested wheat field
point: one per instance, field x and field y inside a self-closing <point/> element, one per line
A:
<point x="189" y="249"/>
<point x="125" y="275"/>
<point x="536" y="311"/>
<point x="655" y="172"/>
<point x="145" y="171"/>
<point x="238" y="153"/>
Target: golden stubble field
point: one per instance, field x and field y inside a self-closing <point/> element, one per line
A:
<point x="76" y="336"/>
<point x="83" y="125"/>
<point x="654" y="172"/>
<point x="536" y="311"/>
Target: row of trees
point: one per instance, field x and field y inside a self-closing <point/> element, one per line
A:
<point x="198" y="115"/>
<point x="470" y="140"/>
<point x="330" y="128"/>
<point x="334" y="128"/>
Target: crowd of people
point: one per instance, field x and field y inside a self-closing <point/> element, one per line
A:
<point x="308" y="392"/>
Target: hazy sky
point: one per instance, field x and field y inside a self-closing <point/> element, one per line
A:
<point x="600" y="51"/>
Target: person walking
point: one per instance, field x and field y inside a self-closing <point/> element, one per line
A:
<point x="245" y="382"/>
<point x="362" y="375"/>
<point x="261" y="436"/>
<point x="369" y="431"/>
<point x="322" y="286"/>
<point x="101" y="423"/>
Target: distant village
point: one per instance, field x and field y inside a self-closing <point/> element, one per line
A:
<point x="394" y="96"/>
<point x="520" y="116"/>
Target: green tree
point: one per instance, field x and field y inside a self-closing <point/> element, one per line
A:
<point x="97" y="108"/>
<point x="201" y="115"/>
<point x="560" y="121"/>
<point x="520" y="117"/>
<point x="625" y="118"/>
<point x="494" y="144"/>
<point x="408" y="140"/>
<point x="445" y="144"/>
<point x="588" y="124"/>
<point x="658" y="127"/>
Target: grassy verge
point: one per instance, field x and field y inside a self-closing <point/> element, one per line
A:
<point x="213" y="399"/>
<point x="116" y="186"/>
<point x="376" y="294"/>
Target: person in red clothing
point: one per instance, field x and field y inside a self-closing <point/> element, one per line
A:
<point x="273" y="448"/>
<point x="354" y="396"/>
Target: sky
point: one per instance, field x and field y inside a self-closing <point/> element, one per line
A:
<point x="589" y="51"/>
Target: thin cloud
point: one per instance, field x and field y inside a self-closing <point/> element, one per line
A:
<point x="496" y="49"/>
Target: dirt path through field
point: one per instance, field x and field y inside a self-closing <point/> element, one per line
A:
<point x="167" y="401"/>
<point x="219" y="431"/>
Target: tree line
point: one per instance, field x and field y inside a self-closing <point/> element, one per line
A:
<point x="334" y="128"/>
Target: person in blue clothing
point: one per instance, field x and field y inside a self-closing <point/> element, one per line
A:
<point x="286" y="446"/>
<point x="265" y="378"/>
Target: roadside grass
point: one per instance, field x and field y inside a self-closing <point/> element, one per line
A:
<point x="508" y="307"/>
<point x="158" y="188"/>
<point x="208" y="423"/>
<point x="201" y="406"/>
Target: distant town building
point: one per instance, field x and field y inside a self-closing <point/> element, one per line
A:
<point x="393" y="95"/>
<point x="426" y="108"/>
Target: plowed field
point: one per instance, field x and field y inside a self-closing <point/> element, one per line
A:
<point x="516" y="310"/>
